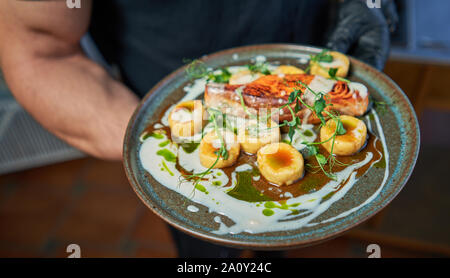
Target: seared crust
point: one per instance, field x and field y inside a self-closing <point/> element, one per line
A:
<point x="272" y="91"/>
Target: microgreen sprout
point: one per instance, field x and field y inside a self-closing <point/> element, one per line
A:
<point x="379" y="106"/>
<point x="197" y="69"/>
<point x="214" y="117"/>
<point x="332" y="73"/>
<point x="323" y="56"/>
<point x="319" y="108"/>
<point x="259" y="67"/>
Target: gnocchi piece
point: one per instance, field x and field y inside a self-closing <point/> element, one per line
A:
<point x="187" y="118"/>
<point x="256" y="134"/>
<point x="350" y="142"/>
<point x="286" y="69"/>
<point x="210" y="146"/>
<point x="340" y="61"/>
<point x="280" y="163"/>
<point x="244" y="77"/>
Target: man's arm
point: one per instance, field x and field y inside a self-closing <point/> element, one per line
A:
<point x="56" y="83"/>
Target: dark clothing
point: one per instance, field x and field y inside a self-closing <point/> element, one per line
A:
<point x="149" y="39"/>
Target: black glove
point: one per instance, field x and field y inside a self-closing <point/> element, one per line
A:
<point x="364" y="31"/>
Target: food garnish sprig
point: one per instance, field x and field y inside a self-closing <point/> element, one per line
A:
<point x="380" y="106"/>
<point x="197" y="69"/>
<point x="319" y="108"/>
<point x="259" y="67"/>
<point x="325" y="56"/>
<point x="222" y="152"/>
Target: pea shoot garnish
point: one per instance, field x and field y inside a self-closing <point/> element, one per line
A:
<point x="323" y="56"/>
<point x="214" y="117"/>
<point x="259" y="67"/>
<point x="294" y="104"/>
<point x="332" y="73"/>
<point x="197" y="69"/>
<point x="379" y="106"/>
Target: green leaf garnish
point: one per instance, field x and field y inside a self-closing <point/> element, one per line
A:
<point x="332" y="72"/>
<point x="222" y="77"/>
<point x="340" y="130"/>
<point x="321" y="159"/>
<point x="259" y="67"/>
<point x="291" y="133"/>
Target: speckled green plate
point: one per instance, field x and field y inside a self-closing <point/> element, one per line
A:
<point x="399" y="124"/>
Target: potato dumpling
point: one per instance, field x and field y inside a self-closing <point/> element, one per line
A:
<point x="280" y="163"/>
<point x="256" y="134"/>
<point x="244" y="77"/>
<point x="340" y="61"/>
<point x="187" y="118"/>
<point x="286" y="69"/>
<point x="350" y="142"/>
<point x="211" y="144"/>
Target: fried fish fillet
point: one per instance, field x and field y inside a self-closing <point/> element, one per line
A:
<point x="272" y="91"/>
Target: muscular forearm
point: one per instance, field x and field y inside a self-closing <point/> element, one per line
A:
<point x="73" y="98"/>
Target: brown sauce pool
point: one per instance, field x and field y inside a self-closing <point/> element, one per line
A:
<point x="313" y="179"/>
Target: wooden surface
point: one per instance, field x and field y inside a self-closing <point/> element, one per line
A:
<point x="426" y="85"/>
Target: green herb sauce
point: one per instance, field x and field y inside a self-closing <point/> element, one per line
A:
<point x="154" y="135"/>
<point x="168" y="155"/>
<point x="201" y="188"/>
<point x="244" y="189"/>
<point x="190" y="147"/>
<point x="165" y="143"/>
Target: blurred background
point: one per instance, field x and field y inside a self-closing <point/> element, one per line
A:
<point x="52" y="195"/>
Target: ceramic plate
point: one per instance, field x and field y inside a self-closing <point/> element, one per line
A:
<point x="369" y="195"/>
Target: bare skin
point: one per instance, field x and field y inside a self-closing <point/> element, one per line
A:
<point x="48" y="74"/>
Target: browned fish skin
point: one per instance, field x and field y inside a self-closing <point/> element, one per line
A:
<point x="272" y="91"/>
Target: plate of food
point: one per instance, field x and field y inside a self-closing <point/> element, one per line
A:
<point x="271" y="146"/>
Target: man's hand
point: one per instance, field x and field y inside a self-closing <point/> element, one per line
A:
<point x="364" y="31"/>
<point x="50" y="76"/>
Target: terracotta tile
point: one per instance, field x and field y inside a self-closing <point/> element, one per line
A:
<point x="99" y="217"/>
<point x="29" y="216"/>
<point x="106" y="175"/>
<point x="152" y="230"/>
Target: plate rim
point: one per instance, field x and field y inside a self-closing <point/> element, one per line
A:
<point x="258" y="245"/>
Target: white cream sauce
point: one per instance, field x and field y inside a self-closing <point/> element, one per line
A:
<point x="248" y="216"/>
<point x="323" y="85"/>
<point x="181" y="115"/>
<point x="192" y="208"/>
<point x="302" y="134"/>
<point x="362" y="90"/>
